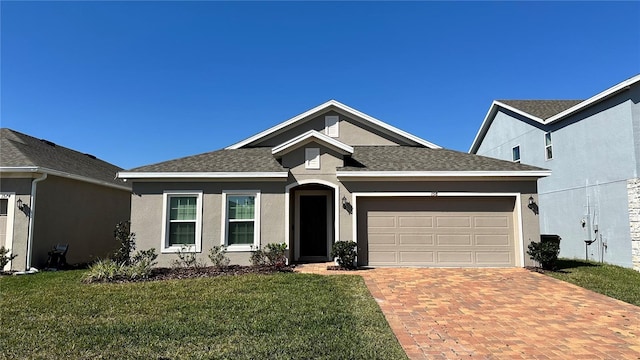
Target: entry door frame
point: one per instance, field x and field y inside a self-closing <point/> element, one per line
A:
<point x="327" y="195"/>
<point x="11" y="206"/>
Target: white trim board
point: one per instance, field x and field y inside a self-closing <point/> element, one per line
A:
<point x="202" y="175"/>
<point x="441" y="174"/>
<point x="308" y="137"/>
<point x="334" y="105"/>
<point x="516" y="196"/>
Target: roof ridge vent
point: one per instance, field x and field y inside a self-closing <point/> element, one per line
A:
<point x="90" y="156"/>
<point x="50" y="143"/>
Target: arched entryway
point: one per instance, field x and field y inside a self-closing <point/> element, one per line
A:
<point x="312" y="220"/>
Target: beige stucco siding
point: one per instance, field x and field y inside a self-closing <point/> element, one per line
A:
<point x="147" y="221"/>
<point x="351" y="133"/>
<point x="77" y="213"/>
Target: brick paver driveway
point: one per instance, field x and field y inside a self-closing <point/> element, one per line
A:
<point x="501" y="314"/>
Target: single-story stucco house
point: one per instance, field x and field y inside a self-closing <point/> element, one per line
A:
<point x="79" y="201"/>
<point x="334" y="173"/>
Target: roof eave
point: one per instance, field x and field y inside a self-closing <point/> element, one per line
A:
<point x="43" y="170"/>
<point x="463" y="175"/>
<point x="279" y="175"/>
<point x="311" y="135"/>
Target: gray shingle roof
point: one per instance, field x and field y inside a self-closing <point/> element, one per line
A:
<point x="543" y="109"/>
<point x="235" y="160"/>
<point x="405" y="158"/>
<point x="21" y="150"/>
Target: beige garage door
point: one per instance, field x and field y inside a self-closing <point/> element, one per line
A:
<point x="437" y="231"/>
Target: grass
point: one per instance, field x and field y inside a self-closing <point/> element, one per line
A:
<point x="281" y="316"/>
<point x="614" y="281"/>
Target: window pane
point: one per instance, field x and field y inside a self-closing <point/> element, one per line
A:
<point x="549" y="152"/>
<point x="240" y="232"/>
<point x="241" y="207"/>
<point x="182" y="234"/>
<point x="182" y="208"/>
<point x="516" y="153"/>
<point x="547" y="139"/>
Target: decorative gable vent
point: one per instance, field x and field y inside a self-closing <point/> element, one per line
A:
<point x="312" y="158"/>
<point x="331" y="125"/>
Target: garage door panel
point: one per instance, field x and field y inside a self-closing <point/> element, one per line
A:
<point x="455" y="239"/>
<point x="455" y="257"/>
<point x="415" y="221"/>
<point x="493" y="257"/>
<point x="378" y="221"/>
<point x="492" y="240"/>
<point x="453" y="222"/>
<point x="491" y="221"/>
<point x="430" y="231"/>
<point x="416" y="239"/>
<point x="417" y="257"/>
<point x="383" y="239"/>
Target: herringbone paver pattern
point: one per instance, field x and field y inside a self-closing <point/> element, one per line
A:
<point x="499" y="314"/>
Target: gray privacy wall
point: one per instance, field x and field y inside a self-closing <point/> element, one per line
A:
<point x="595" y="154"/>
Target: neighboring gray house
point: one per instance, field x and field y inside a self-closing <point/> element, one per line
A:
<point x="79" y="201"/>
<point x="593" y="149"/>
<point x="334" y="173"/>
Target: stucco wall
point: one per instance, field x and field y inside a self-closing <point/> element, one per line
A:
<point x="147" y="222"/>
<point x="594" y="154"/>
<point x="22" y="189"/>
<point x="350" y="132"/>
<point x="77" y="213"/>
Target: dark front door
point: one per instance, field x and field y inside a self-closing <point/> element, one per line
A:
<point x="313" y="226"/>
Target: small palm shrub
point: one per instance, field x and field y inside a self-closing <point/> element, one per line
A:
<point x="345" y="253"/>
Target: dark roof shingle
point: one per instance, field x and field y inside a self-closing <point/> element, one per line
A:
<point x="542" y="109"/>
<point x="232" y="160"/>
<point x="405" y="158"/>
<point x="21" y="150"/>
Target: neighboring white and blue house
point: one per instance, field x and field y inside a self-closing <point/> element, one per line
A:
<point x="592" y="148"/>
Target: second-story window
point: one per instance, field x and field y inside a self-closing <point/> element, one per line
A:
<point x="515" y="154"/>
<point x="548" y="148"/>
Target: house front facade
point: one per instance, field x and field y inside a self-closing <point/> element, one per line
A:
<point x="592" y="147"/>
<point x="50" y="195"/>
<point x="332" y="174"/>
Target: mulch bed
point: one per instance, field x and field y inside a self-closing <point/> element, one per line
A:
<point x="337" y="267"/>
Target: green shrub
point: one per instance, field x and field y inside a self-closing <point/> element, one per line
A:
<point x="187" y="258"/>
<point x="545" y="253"/>
<point x="5" y="257"/>
<point x="218" y="256"/>
<point x="127" y="242"/>
<point x="345" y="253"/>
<point x="273" y="254"/>
<point x="104" y="270"/>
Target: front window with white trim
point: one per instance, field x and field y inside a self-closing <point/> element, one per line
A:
<point x="241" y="220"/>
<point x="183" y="221"/>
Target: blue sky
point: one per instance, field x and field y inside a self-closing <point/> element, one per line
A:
<point x="136" y="83"/>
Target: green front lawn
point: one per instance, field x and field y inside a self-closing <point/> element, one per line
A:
<point x="614" y="281"/>
<point x="281" y="316"/>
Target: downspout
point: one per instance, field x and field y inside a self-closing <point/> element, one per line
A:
<point x="32" y="212"/>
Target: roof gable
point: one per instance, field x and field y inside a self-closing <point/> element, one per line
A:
<point x="24" y="153"/>
<point x="333" y="105"/>
<point x="546" y="111"/>
<point x="311" y="136"/>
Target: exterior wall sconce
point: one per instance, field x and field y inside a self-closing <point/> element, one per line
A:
<point x="346" y="205"/>
<point x="533" y="206"/>
<point x="20" y="204"/>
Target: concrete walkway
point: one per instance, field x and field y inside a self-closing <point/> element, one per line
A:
<point x="498" y="314"/>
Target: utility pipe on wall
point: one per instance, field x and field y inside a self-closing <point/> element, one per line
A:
<point x="32" y="212"/>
